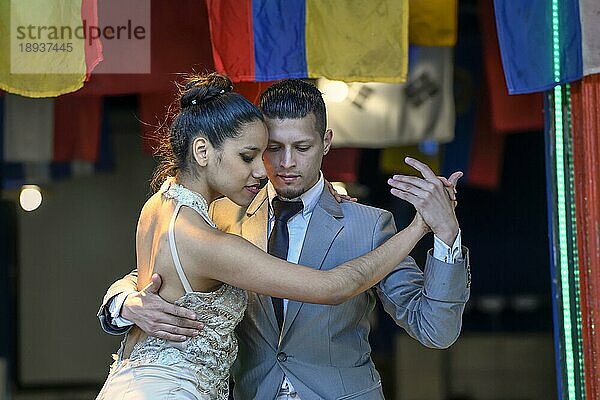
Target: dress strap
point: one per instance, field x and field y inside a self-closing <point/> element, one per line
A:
<point x="174" y="254"/>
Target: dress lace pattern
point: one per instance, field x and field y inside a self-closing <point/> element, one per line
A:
<point x="211" y="353"/>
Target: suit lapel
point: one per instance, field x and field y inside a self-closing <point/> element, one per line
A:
<point x="324" y="226"/>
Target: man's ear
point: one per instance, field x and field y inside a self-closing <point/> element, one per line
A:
<point x="200" y="147"/>
<point x="327" y="138"/>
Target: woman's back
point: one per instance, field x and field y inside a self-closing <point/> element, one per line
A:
<point x="208" y="356"/>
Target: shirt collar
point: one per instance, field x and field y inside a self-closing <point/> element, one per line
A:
<point x="309" y="199"/>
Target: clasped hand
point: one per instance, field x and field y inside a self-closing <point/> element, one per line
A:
<point x="433" y="197"/>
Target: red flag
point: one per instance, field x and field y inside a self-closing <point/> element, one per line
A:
<point x="77" y="123"/>
<point x="508" y="114"/>
<point x="180" y="43"/>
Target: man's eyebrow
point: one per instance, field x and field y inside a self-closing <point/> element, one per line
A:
<point x="250" y="147"/>
<point x="303" y="141"/>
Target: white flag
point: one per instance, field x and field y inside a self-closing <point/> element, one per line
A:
<point x="378" y="115"/>
<point x="28" y="129"/>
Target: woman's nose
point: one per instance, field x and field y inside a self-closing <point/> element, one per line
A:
<point x="260" y="172"/>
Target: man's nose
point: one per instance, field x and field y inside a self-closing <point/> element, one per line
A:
<point x="288" y="159"/>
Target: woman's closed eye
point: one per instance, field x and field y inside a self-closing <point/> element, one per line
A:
<point x="247" y="158"/>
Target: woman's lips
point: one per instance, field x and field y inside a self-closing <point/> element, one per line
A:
<point x="254" y="189"/>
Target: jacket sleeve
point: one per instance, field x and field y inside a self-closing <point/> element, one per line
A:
<point x="428" y="304"/>
<point x="127" y="283"/>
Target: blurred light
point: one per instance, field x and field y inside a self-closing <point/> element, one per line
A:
<point x="30" y="198"/>
<point x="334" y="91"/>
<point x="340" y="187"/>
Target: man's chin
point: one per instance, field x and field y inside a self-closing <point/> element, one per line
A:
<point x="289" y="192"/>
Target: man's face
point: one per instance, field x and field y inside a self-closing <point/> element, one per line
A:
<point x="294" y="154"/>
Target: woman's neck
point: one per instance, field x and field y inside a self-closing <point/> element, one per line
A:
<point x="197" y="185"/>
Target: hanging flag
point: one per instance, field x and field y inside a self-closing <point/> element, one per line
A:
<point x="589" y="12"/>
<point x="51" y="130"/>
<point x="28" y="129"/>
<point x="341" y="165"/>
<point x="77" y="122"/>
<point x="93" y="45"/>
<point x="391" y="160"/>
<point x="517" y="113"/>
<point x="263" y="40"/>
<point x="16" y="172"/>
<point x="433" y="22"/>
<point x="377" y="115"/>
<point x="184" y="24"/>
<point x="487" y="151"/>
<point x="526" y="34"/>
<point x="40" y="53"/>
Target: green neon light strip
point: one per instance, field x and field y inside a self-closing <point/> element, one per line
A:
<point x="562" y="242"/>
<point x="574" y="254"/>
<point x="561" y="208"/>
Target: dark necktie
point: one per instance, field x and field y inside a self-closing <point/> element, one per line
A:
<point x="280" y="239"/>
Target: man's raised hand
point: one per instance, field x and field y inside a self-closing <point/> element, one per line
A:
<point x="432" y="198"/>
<point x="157" y="317"/>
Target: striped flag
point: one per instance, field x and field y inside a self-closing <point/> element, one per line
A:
<point x="263" y="40"/>
<point x="526" y="32"/>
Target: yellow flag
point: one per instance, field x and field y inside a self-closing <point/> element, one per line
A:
<point x="357" y="41"/>
<point x="391" y="160"/>
<point x="41" y="47"/>
<point x="433" y="22"/>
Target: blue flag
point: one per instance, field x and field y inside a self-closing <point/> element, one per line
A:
<point x="525" y="34"/>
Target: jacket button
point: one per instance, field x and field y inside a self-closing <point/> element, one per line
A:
<point x="282" y="357"/>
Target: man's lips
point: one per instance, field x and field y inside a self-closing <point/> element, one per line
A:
<point x="288" y="177"/>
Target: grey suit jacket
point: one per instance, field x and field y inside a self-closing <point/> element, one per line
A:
<point x="324" y="350"/>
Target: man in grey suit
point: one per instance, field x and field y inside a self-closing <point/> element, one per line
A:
<point x="318" y="351"/>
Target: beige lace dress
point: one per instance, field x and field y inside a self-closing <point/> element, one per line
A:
<point x="199" y="367"/>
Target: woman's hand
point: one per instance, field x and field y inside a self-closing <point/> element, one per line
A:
<point x="338" y="197"/>
<point x="450" y="186"/>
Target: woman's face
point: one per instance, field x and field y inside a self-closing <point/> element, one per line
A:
<point x="237" y="167"/>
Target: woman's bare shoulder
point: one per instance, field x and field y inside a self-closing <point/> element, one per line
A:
<point x="191" y="223"/>
<point x="149" y="211"/>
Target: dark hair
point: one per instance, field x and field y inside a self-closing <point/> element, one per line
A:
<point x="208" y="108"/>
<point x="294" y="98"/>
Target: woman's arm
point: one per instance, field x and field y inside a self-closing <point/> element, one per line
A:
<point x="231" y="259"/>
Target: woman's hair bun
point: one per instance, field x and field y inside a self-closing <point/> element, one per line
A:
<point x="200" y="89"/>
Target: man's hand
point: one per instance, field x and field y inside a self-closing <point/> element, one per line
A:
<point x="158" y="317"/>
<point x="432" y="197"/>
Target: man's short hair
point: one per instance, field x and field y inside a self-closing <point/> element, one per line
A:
<point x="292" y="99"/>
